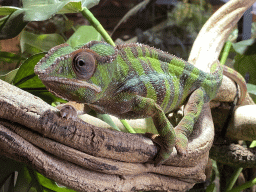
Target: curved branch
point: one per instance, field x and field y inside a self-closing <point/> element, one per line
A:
<point x="102" y="165"/>
<point x="215" y="32"/>
<point x="211" y="38"/>
<point x="94" y="148"/>
<point x="15" y="147"/>
<point x="234" y="155"/>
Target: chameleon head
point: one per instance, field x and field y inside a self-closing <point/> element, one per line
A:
<point x="78" y="74"/>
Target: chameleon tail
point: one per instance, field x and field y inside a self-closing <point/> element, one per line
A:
<point x="237" y="77"/>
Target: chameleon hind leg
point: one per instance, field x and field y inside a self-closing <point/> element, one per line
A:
<point x="167" y="137"/>
<point x="192" y="111"/>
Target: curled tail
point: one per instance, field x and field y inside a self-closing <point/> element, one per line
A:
<point x="217" y="72"/>
<point x="238" y="78"/>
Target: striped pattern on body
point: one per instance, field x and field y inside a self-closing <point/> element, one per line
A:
<point x="163" y="77"/>
<point x="134" y="81"/>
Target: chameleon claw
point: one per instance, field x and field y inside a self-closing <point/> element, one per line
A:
<point x="162" y="156"/>
<point x="163" y="153"/>
<point x="155" y="138"/>
<point x="158" y="161"/>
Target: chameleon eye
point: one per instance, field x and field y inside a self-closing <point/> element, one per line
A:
<point x="84" y="65"/>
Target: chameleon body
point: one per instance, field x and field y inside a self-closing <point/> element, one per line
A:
<point x="134" y="81"/>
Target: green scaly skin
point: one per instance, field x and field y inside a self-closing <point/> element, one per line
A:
<point x="133" y="81"/>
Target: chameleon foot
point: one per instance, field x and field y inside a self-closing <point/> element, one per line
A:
<point x="68" y="112"/>
<point x="165" y="150"/>
<point x="162" y="156"/>
<point x="181" y="144"/>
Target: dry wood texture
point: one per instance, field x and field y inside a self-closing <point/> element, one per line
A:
<point x="32" y="132"/>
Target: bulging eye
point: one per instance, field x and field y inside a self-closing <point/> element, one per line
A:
<point x="84" y="65"/>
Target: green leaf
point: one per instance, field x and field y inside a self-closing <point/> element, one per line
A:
<point x="72" y="7"/>
<point x="252" y="90"/>
<point x="89" y="3"/>
<point x="9" y="76"/>
<point x="246" y="47"/>
<point x="245" y="60"/>
<point x="50" y="184"/>
<point x="246" y="65"/>
<point x="7" y="10"/>
<point x="45" y="95"/>
<point x="253" y="144"/>
<point x="3" y="20"/>
<point x="27" y="181"/>
<point x="83" y="35"/>
<point x="211" y="188"/>
<point x="35" y="181"/>
<point x="12" y="25"/>
<point x="44" y="9"/>
<point x="30" y="180"/>
<point x="9" y="57"/>
<point x="39" y="10"/>
<point x="7" y="167"/>
<point x="25" y="77"/>
<point x="106" y="118"/>
<point x="7" y="23"/>
<point x="32" y="43"/>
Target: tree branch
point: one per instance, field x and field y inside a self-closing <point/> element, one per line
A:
<point x="27" y="120"/>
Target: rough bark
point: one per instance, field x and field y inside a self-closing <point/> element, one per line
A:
<point x="234" y="155"/>
<point x="32" y="132"/>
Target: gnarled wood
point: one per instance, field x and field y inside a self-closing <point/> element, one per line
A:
<point x="17" y="136"/>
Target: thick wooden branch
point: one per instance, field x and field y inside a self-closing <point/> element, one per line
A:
<point x="30" y="128"/>
<point x="234" y="155"/>
<point x="103" y="165"/>
<point x="80" y="179"/>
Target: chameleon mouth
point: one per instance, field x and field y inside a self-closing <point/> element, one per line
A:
<point x="71" y="83"/>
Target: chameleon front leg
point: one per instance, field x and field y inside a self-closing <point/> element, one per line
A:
<point x="167" y="136"/>
<point x="192" y="111"/>
<point x="178" y="137"/>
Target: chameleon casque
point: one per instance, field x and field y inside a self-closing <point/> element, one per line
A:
<point x="135" y="81"/>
